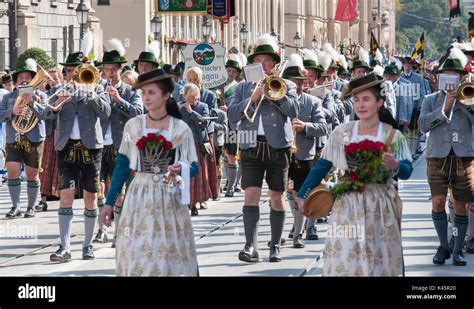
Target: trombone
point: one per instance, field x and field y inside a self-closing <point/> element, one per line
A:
<point x="274" y="89"/>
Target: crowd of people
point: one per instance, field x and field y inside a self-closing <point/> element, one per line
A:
<point x="147" y="145"/>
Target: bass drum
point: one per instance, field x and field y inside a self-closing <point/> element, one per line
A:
<point x="319" y="202"/>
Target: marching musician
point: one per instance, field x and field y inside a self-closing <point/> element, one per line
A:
<point x="449" y="158"/>
<point x="177" y="74"/>
<point x="309" y="125"/>
<point x="23" y="148"/>
<point x="125" y="104"/>
<point x="79" y="142"/>
<point x="267" y="156"/>
<point x="148" y="60"/>
<point x="403" y="99"/>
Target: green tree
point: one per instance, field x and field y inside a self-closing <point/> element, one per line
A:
<point x="41" y="57"/>
<point x="430" y="16"/>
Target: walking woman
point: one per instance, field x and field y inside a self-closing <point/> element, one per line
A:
<point x="155" y="236"/>
<point x="371" y="152"/>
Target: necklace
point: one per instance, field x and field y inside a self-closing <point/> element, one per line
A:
<point x="157" y="119"/>
<point x="368" y="126"/>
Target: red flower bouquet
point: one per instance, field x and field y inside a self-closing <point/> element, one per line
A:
<point x="152" y="140"/>
<point x="365" y="160"/>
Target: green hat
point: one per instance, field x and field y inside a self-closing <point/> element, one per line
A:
<point x="311" y="64"/>
<point x="112" y="57"/>
<point x="342" y="71"/>
<point x="146" y="57"/>
<point x="233" y="64"/>
<point x="126" y="68"/>
<point x="150" y="77"/>
<point x="265" y="47"/>
<point x="7" y="78"/>
<point x="21" y="70"/>
<point x="167" y="68"/>
<point x="293" y="72"/>
<point x="333" y="65"/>
<point x="74" y="59"/>
<point x="391" y="69"/>
<point x="374" y="63"/>
<point x="178" y="69"/>
<point x="360" y="64"/>
<point x="452" y="65"/>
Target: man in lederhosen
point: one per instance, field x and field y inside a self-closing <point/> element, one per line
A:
<point x="449" y="158"/>
<point x="79" y="142"/>
<point x="23" y="148"/>
<point x="309" y="125"/>
<point x="125" y="104"/>
<point x="270" y="156"/>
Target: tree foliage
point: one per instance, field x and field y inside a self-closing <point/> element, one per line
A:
<point x="41" y="57"/>
<point x="431" y="16"/>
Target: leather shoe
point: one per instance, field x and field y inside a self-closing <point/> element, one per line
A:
<point x="101" y="237"/>
<point x="203" y="206"/>
<point x="248" y="254"/>
<point x="282" y="242"/>
<point x="88" y="253"/>
<point x="229" y="193"/>
<point x="194" y="212"/>
<point x="298" y="242"/>
<point x="13" y="213"/>
<point x="42" y="206"/>
<point x="458" y="259"/>
<point x="29" y="213"/>
<point x="290" y="236"/>
<point x="61" y="256"/>
<point x="470" y="246"/>
<point x="441" y="256"/>
<point x="275" y="253"/>
<point x="311" y="233"/>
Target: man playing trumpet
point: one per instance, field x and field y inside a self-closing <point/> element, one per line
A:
<point x="23" y="147"/>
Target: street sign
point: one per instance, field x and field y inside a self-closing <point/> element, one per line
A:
<point x="211" y="59"/>
<point x="181" y="7"/>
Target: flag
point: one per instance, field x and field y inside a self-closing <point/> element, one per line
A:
<point x="374" y="45"/>
<point x="346" y="10"/>
<point x="419" y="50"/>
<point x="454" y="9"/>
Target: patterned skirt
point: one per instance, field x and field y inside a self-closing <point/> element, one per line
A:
<point x="154" y="235"/>
<point x="200" y="188"/>
<point x="364" y="234"/>
<point x="49" y="168"/>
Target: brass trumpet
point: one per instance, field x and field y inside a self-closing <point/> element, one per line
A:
<point x="274" y="89"/>
<point x="465" y="93"/>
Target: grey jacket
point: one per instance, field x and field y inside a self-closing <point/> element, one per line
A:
<point x="220" y="126"/>
<point x="310" y="112"/>
<point x="129" y="106"/>
<point x="90" y="112"/>
<point x="457" y="134"/>
<point x="276" y="116"/>
<point x="196" y="123"/>
<point x="419" y="89"/>
<point x="38" y="133"/>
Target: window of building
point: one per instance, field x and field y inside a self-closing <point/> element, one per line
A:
<point x="103" y="2"/>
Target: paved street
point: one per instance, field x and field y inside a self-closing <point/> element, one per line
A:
<point x="219" y="238"/>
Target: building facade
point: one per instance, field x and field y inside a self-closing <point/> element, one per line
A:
<point x="48" y="24"/>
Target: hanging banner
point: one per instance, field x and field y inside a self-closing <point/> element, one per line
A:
<point x="221" y="9"/>
<point x="181" y="7"/>
<point x="211" y="59"/>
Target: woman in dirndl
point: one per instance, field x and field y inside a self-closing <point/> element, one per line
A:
<point x="364" y="230"/>
<point x="155" y="235"/>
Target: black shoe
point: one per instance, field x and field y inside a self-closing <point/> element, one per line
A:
<point x="470" y="246"/>
<point x="229" y="193"/>
<point x="194" y="212"/>
<point x="290" y="236"/>
<point x="42" y="206"/>
<point x="13" y="213"/>
<point x="441" y="256"/>
<point x="248" y="254"/>
<point x="275" y="254"/>
<point x="237" y="189"/>
<point x="29" y="213"/>
<point x="322" y="220"/>
<point x="88" y="253"/>
<point x="311" y="233"/>
<point x="282" y="242"/>
<point x="61" y="256"/>
<point x="113" y="243"/>
<point x="101" y="237"/>
<point x="298" y="242"/>
<point x="451" y="245"/>
<point x="458" y="259"/>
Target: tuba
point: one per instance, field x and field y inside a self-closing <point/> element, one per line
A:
<point x="274" y="89"/>
<point x="27" y="120"/>
<point x="465" y="93"/>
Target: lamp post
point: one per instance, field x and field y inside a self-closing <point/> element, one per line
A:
<point x="206" y="28"/>
<point x="243" y="36"/>
<point x="82" y="13"/>
<point x="315" y="43"/>
<point x="155" y="24"/>
<point x="11" y="12"/>
<point x="297" y="40"/>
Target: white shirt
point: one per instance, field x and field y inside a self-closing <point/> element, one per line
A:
<point x="76" y="132"/>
